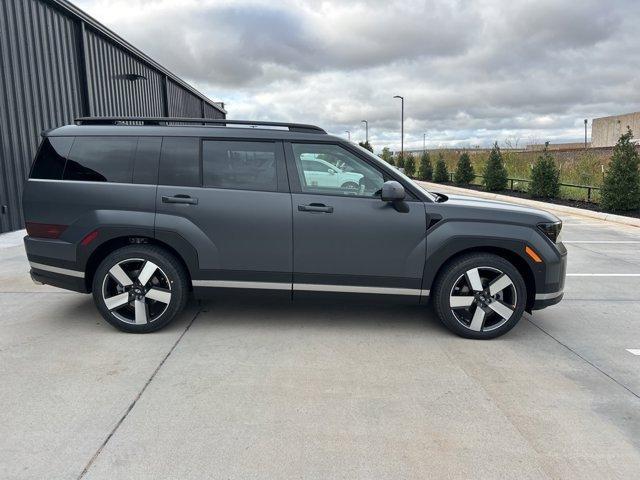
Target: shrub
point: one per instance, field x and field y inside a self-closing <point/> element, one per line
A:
<point x="441" y="174"/>
<point x="390" y="161"/>
<point x="545" y="177"/>
<point x="366" y="145"/>
<point x="464" y="172"/>
<point x="399" y="161"/>
<point x="495" y="174"/>
<point x="425" y="170"/>
<point x="621" y="187"/>
<point x="410" y="166"/>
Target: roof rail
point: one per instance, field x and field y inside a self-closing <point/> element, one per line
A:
<point x="293" y="127"/>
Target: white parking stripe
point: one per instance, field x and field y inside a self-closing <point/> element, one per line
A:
<point x="603" y="274"/>
<point x="634" y="351"/>
<point x="601" y="241"/>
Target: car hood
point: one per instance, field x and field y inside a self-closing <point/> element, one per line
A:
<point x="495" y="208"/>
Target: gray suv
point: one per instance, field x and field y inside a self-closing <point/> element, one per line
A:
<point x="144" y="212"/>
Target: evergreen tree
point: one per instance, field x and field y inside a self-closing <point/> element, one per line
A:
<point x="366" y="145"/>
<point x="545" y="176"/>
<point x="386" y="155"/>
<point x="441" y="174"/>
<point x="621" y="187"/>
<point x="464" y="172"/>
<point x="399" y="161"/>
<point x="425" y="170"/>
<point x="495" y="173"/>
<point x="410" y="166"/>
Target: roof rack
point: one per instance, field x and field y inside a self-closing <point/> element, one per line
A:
<point x="293" y="127"/>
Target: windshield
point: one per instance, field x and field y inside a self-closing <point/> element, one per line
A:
<point x="398" y="172"/>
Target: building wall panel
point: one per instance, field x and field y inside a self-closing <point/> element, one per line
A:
<point x="111" y="90"/>
<point x="183" y="103"/>
<point x="39" y="90"/>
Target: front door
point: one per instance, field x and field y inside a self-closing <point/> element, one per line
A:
<point x="346" y="239"/>
<point x="233" y="206"/>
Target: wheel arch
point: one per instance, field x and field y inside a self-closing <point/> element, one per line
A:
<point x="519" y="262"/>
<point x="112" y="244"/>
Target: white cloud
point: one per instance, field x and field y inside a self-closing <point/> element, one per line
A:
<point x="471" y="72"/>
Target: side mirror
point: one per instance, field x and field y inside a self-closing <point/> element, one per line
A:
<point x="392" y="191"/>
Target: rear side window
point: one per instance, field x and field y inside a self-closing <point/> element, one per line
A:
<point x="101" y="159"/>
<point x="180" y="162"/>
<point x="239" y="165"/>
<point x="49" y="162"/>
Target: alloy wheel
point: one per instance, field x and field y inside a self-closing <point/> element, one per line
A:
<point x="483" y="299"/>
<point x="136" y="291"/>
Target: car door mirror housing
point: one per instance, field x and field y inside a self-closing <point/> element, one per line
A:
<point x="392" y="191"/>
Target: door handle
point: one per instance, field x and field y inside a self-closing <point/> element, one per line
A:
<point x="315" y="207"/>
<point x="180" y="199"/>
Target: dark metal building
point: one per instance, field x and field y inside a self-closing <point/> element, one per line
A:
<point x="56" y="64"/>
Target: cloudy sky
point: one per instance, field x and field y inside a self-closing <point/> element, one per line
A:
<point x="471" y="71"/>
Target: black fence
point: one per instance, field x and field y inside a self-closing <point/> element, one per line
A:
<point x="513" y="185"/>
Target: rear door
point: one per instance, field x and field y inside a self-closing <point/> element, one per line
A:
<point x="230" y="200"/>
<point x="346" y="239"/>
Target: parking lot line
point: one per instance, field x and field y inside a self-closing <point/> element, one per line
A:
<point x="603" y="274"/>
<point x="634" y="351"/>
<point x="601" y="241"/>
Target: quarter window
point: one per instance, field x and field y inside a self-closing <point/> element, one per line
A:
<point x="239" y="165"/>
<point x="49" y="163"/>
<point x="101" y="159"/>
<point x="333" y="170"/>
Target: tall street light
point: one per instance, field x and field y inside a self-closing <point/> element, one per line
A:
<point x="348" y="133"/>
<point x="366" y="126"/>
<point x="585" y="133"/>
<point x="424" y="142"/>
<point x="401" y="124"/>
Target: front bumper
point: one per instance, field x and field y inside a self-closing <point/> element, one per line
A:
<point x="551" y="291"/>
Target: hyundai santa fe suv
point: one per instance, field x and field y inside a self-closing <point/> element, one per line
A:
<point x="145" y="212"/>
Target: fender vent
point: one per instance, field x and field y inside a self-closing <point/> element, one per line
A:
<point x="432" y="220"/>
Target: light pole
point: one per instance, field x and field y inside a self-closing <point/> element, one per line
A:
<point x="401" y="124"/>
<point x="424" y="142"/>
<point x="585" y="133"/>
<point x="366" y="126"/>
<point x="349" y="134"/>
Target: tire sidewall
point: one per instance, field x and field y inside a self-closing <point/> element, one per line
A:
<point x="172" y="269"/>
<point x="452" y="272"/>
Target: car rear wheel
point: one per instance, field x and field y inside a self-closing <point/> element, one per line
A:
<point x="480" y="295"/>
<point x="140" y="288"/>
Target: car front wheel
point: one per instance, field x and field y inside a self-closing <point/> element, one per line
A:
<point x="140" y="288"/>
<point x="480" y="295"/>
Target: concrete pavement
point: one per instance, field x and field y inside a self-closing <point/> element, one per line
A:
<point x="260" y="389"/>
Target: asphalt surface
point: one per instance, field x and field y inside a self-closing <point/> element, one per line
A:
<point x="309" y="390"/>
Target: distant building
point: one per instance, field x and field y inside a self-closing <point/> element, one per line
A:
<point x="606" y="131"/>
<point x="56" y="64"/>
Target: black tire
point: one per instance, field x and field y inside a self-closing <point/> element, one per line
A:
<point x="169" y="278"/>
<point x="456" y="273"/>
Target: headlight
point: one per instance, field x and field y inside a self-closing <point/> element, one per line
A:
<point x="551" y="230"/>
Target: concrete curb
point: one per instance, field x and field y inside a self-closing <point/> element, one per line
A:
<point x="607" y="217"/>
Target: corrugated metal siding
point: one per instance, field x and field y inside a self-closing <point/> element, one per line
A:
<point x="39" y="89"/>
<point x="183" y="103"/>
<point x="43" y="85"/>
<point x="110" y="93"/>
<point x="212" y="112"/>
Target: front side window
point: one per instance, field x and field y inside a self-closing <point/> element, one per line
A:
<point x="239" y="165"/>
<point x="332" y="169"/>
<point x="101" y="159"/>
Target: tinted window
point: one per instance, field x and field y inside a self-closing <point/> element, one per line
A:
<point x="239" y="165"/>
<point x="334" y="170"/>
<point x="101" y="159"/>
<point x="49" y="162"/>
<point x="180" y="162"/>
<point x="145" y="168"/>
